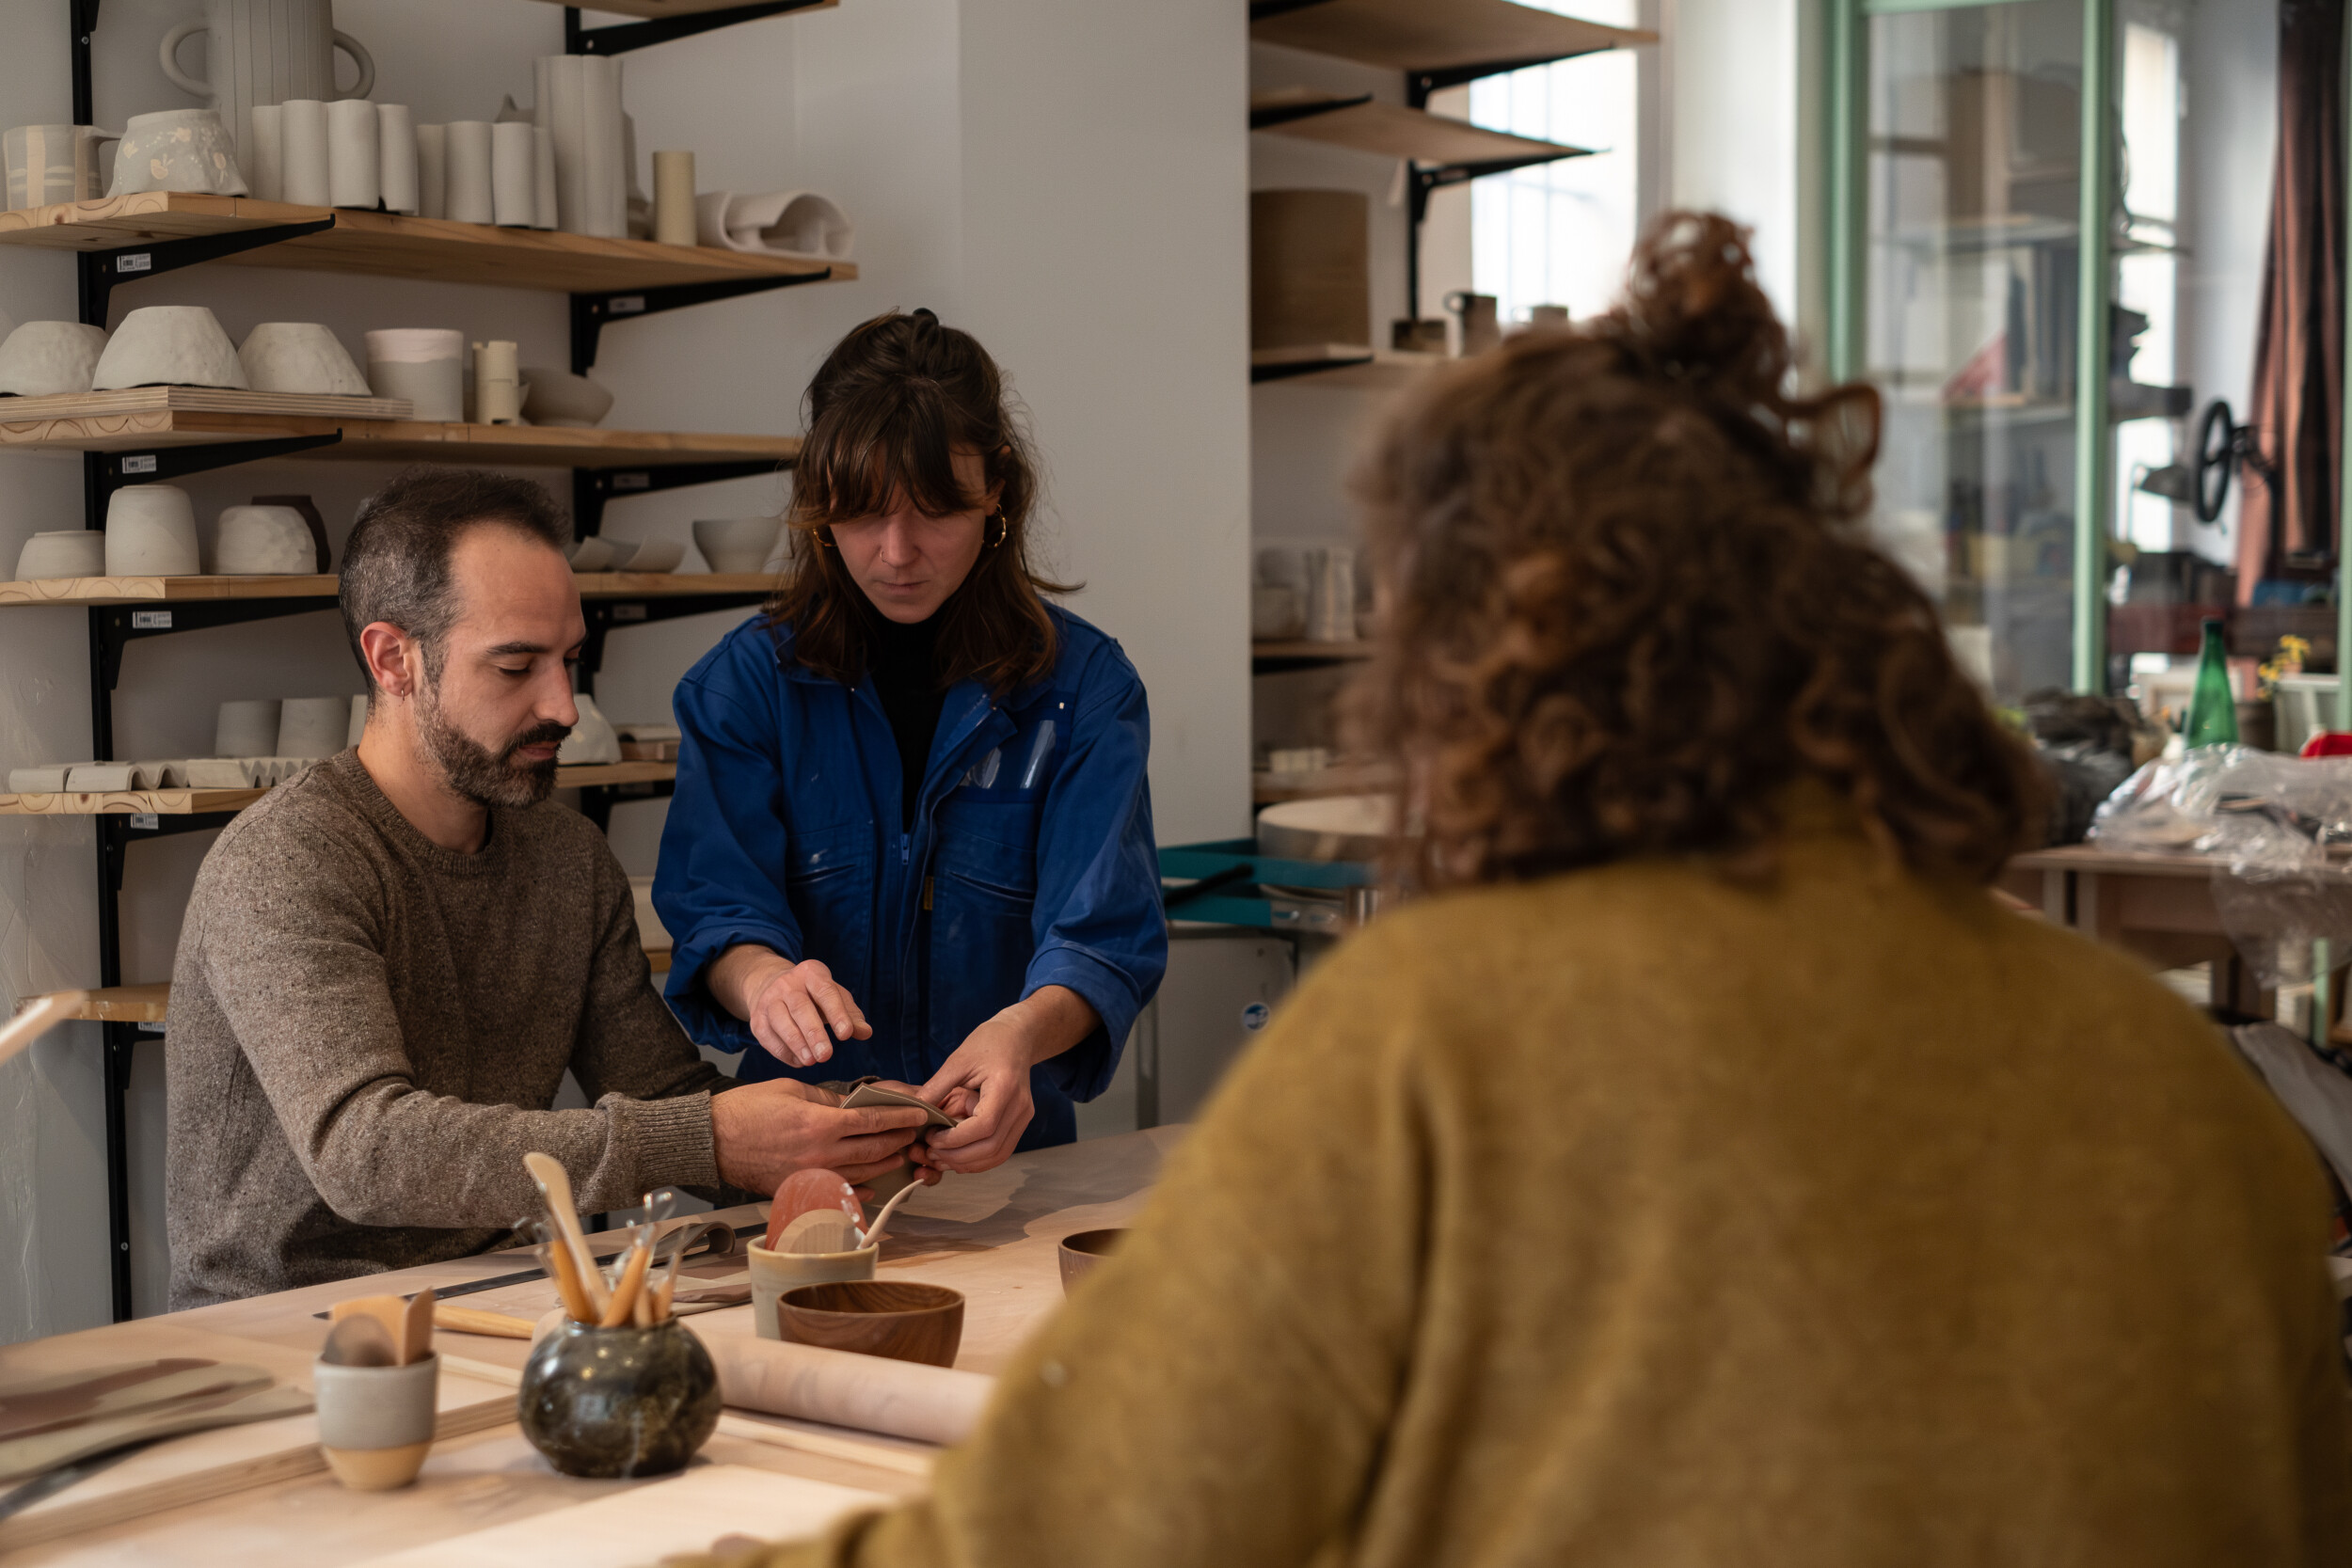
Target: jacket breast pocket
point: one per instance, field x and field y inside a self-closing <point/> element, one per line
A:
<point x="829" y="882"/>
<point x="983" y="900"/>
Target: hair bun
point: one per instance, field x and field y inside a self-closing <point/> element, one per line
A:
<point x="1693" y="312"/>
<point x="923" y="316"/>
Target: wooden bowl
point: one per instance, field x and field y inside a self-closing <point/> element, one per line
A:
<point x="1082" y="1253"/>
<point x="875" y="1317"/>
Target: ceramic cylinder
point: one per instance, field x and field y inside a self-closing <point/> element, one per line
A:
<point x="673" y="197"/>
<point x="150" y="532"/>
<point x="376" y="1423"/>
<point x="468" y="189"/>
<point x="312" y="726"/>
<point x="425" y="365"/>
<point x="49" y="164"/>
<point x="396" y="148"/>
<point x="303" y="177"/>
<point x="545" y="215"/>
<point x="246" y="728"/>
<point x="514" y="175"/>
<point x="497" y="393"/>
<point x="354" y="154"/>
<point x="1331" y="596"/>
<point x="432" y="171"/>
<point x="265" y="152"/>
<point x="579" y="103"/>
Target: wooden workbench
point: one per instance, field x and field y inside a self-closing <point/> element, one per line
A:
<point x="993" y="1237"/>
<point x="2157" y="905"/>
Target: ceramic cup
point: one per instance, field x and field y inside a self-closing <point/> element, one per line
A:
<point x="1547" y="315"/>
<point x="673" y="197"/>
<point x="775" y="1272"/>
<point x="737" y="544"/>
<point x="246" y="728"/>
<point x="300" y="357"/>
<point x="559" y="397"/>
<point x="78" y="552"/>
<point x="514" y="175"/>
<point x="263" y="541"/>
<point x="303" y="178"/>
<point x="168" y="345"/>
<point x="311" y="727"/>
<point x="376" y="1423"/>
<point x="47" y="359"/>
<point x="469" y="191"/>
<point x="396" y="147"/>
<point x="177" y="150"/>
<point x="424" y="364"/>
<point x="354" y="154"/>
<point x="49" y="164"/>
<point x="432" y="171"/>
<point x="150" y="532"/>
<point x="497" y="387"/>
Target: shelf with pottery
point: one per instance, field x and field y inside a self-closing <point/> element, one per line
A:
<point x="1342" y="365"/>
<point x="384" y="244"/>
<point x="1393" y="131"/>
<point x="191" y="803"/>
<point x="95" y="593"/>
<point x="655" y="9"/>
<point x="1438" y="37"/>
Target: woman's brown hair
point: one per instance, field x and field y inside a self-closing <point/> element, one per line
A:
<point x="1628" y="600"/>
<point x="888" y="410"/>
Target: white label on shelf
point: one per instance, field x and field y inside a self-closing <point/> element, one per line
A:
<point x="143" y="464"/>
<point x="138" y="260"/>
<point x="626" y="305"/>
<point x="150" y="619"/>
<point x="145" y="822"/>
<point x="628" y="613"/>
<point x="640" y="480"/>
<point x="150" y="1028"/>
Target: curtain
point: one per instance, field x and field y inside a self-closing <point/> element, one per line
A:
<point x="2299" y="347"/>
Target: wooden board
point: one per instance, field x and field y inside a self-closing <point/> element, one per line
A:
<point x="126" y="1005"/>
<point x="651" y="9"/>
<point x="207" y="400"/>
<point x="141" y="590"/>
<point x="604" y="775"/>
<point x="141" y="426"/>
<point x="1345" y="365"/>
<point x="152" y="803"/>
<point x="1431" y="35"/>
<point x="656" y="585"/>
<point x="384" y="244"/>
<point x="1394" y="131"/>
<point x="210" y="1464"/>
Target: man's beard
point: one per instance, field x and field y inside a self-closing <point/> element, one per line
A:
<point x="485" y="777"/>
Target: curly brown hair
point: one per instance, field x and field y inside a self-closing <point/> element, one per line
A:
<point x="1627" y="601"/>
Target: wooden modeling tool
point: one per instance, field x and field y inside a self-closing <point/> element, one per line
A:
<point x="391" y="1311"/>
<point x="622" y="1307"/>
<point x="360" y="1341"/>
<point x="873" y="1237"/>
<point x="807" y="1192"/>
<point x="415" y="1328"/>
<point x="45" y="1014"/>
<point x="556" y="1186"/>
<point x="472" y="1319"/>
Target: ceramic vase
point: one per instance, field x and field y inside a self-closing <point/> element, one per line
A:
<point x="424" y="364"/>
<point x="580" y="103"/>
<point x="300" y="357"/>
<point x="49" y="164"/>
<point x="265" y="51"/>
<point x="179" y="150"/>
<point x="265" y="152"/>
<point x="514" y="175"/>
<point x="50" y="359"/>
<point x="303" y="178"/>
<point x="261" y="541"/>
<point x="312" y="727"/>
<point x="246" y="728"/>
<point x="469" y="191"/>
<point x="607" y="1402"/>
<point x="168" y="345"/>
<point x="396" y="144"/>
<point x="79" y="552"/>
<point x="737" y="544"/>
<point x="150" y="532"/>
<point x="432" y="171"/>
<point x="593" y="739"/>
<point x="354" y="155"/>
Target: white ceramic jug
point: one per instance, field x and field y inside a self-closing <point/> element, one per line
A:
<point x="265" y="51"/>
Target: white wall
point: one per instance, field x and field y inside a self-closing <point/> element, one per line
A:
<point x="1063" y="177"/>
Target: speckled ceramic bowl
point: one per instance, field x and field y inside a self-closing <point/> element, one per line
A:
<point x="607" y="1402"/>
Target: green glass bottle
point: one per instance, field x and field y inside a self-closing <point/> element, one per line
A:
<point x="2212" y="706"/>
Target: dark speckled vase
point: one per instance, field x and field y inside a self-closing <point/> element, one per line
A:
<point x="604" y="1403"/>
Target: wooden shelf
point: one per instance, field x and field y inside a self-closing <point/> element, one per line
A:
<point x="384" y="244"/>
<point x="149" y="1004"/>
<point x="191" y="803"/>
<point x="1393" y="131"/>
<point x="1342" y="365"/>
<point x="652" y="10"/>
<point x="98" y="591"/>
<point x="1438" y="35"/>
<point x="150" y="416"/>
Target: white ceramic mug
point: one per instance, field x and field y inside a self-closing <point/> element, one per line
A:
<point x="396" y="144"/>
<point x="424" y="364"/>
<point x="469" y="191"/>
<point x="177" y="150"/>
<point x="432" y="171"/>
<point x="303" y="179"/>
<point x="265" y="51"/>
<point x="150" y="532"/>
<point x="514" y="174"/>
<point x="49" y="164"/>
<point x="354" y="155"/>
<point x="376" y="1423"/>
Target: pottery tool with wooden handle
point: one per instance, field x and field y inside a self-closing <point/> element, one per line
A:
<point x="807" y="1192"/>
<point x="45" y="1014"/>
<point x="556" y="1186"/>
<point x="472" y="1319"/>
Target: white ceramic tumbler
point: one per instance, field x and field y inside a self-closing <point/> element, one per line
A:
<point x="424" y="364"/>
<point x="303" y="177"/>
<point x="354" y="154"/>
<point x="432" y="171"/>
<point x="469" y="190"/>
<point x="514" y="174"/>
<point x="396" y="147"/>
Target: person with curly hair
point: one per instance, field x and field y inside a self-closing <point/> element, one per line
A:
<point x="1702" y="1168"/>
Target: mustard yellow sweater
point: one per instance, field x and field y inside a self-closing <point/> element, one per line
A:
<point x="1640" y="1217"/>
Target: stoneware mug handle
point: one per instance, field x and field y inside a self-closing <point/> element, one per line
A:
<point x="360" y="57"/>
<point x="180" y="78"/>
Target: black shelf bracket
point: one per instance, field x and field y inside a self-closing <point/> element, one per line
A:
<point x="627" y="36"/>
<point x="597" y="800"/>
<point x="1422" y="180"/>
<point x="1260" y="11"/>
<point x="603" y="615"/>
<point x="84" y="25"/>
<point x="101" y="271"/>
<point x="592" y="487"/>
<point x="105" y="472"/>
<point x="119" y="625"/>
<point x="1283" y="114"/>
<point x="593" y="313"/>
<point x="1260" y="373"/>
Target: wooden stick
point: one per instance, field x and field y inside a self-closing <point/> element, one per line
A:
<point x="567" y="1277"/>
<point x="45" y="1014"/>
<point x="624" y="1301"/>
<point x="472" y="1319"/>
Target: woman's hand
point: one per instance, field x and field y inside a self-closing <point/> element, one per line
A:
<point x="796" y="1010"/>
<point x="986" y="1082"/>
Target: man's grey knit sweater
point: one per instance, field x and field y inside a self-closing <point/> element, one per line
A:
<point x="367" y="1032"/>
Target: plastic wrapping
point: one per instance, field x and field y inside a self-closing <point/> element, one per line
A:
<point x="2278" y="832"/>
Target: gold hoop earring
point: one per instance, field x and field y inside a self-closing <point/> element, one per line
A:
<point x="1004" y="530"/>
<point x="822" y="543"/>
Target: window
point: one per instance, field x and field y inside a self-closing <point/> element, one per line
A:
<point x="2148" y="265"/>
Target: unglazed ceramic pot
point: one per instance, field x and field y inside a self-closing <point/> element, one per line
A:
<point x="376" y="1423"/>
<point x="265" y="51"/>
<point x="47" y="359"/>
<point x="312" y="727"/>
<point x="593" y="739"/>
<point x="354" y="155"/>
<point x="178" y="149"/>
<point x="305" y="179"/>
<point x="515" y="175"/>
<point x="607" y="1403"/>
<point x="300" y="357"/>
<point x="424" y="364"/>
<point x="50" y="164"/>
<point x="168" y="345"/>
<point x="737" y="544"/>
<point x="559" y="397"/>
<point x="150" y="532"/>
<point x="263" y="541"/>
<point x="79" y="552"/>
<point x="469" y="191"/>
<point x="246" y="728"/>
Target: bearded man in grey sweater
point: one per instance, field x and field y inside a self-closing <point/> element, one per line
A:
<point x="389" y="963"/>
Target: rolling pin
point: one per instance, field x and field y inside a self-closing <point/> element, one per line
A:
<point x="468" y="1320"/>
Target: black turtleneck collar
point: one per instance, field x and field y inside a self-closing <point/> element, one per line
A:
<point x="902" y="661"/>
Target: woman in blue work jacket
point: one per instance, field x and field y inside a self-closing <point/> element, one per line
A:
<point x="911" y="836"/>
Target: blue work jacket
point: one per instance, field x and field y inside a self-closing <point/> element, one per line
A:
<point x="1031" y="862"/>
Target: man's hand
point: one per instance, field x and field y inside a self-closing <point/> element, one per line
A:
<point x="762" y="1133"/>
<point x="796" y="1010"/>
<point x="986" y="1081"/>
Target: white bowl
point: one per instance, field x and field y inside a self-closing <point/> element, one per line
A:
<point x="555" y="398"/>
<point x="49" y="358"/>
<point x="263" y="541"/>
<point x="300" y="357"/>
<point x="737" y="544"/>
<point x="150" y="532"/>
<point x="79" y="552"/>
<point x="168" y="345"/>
